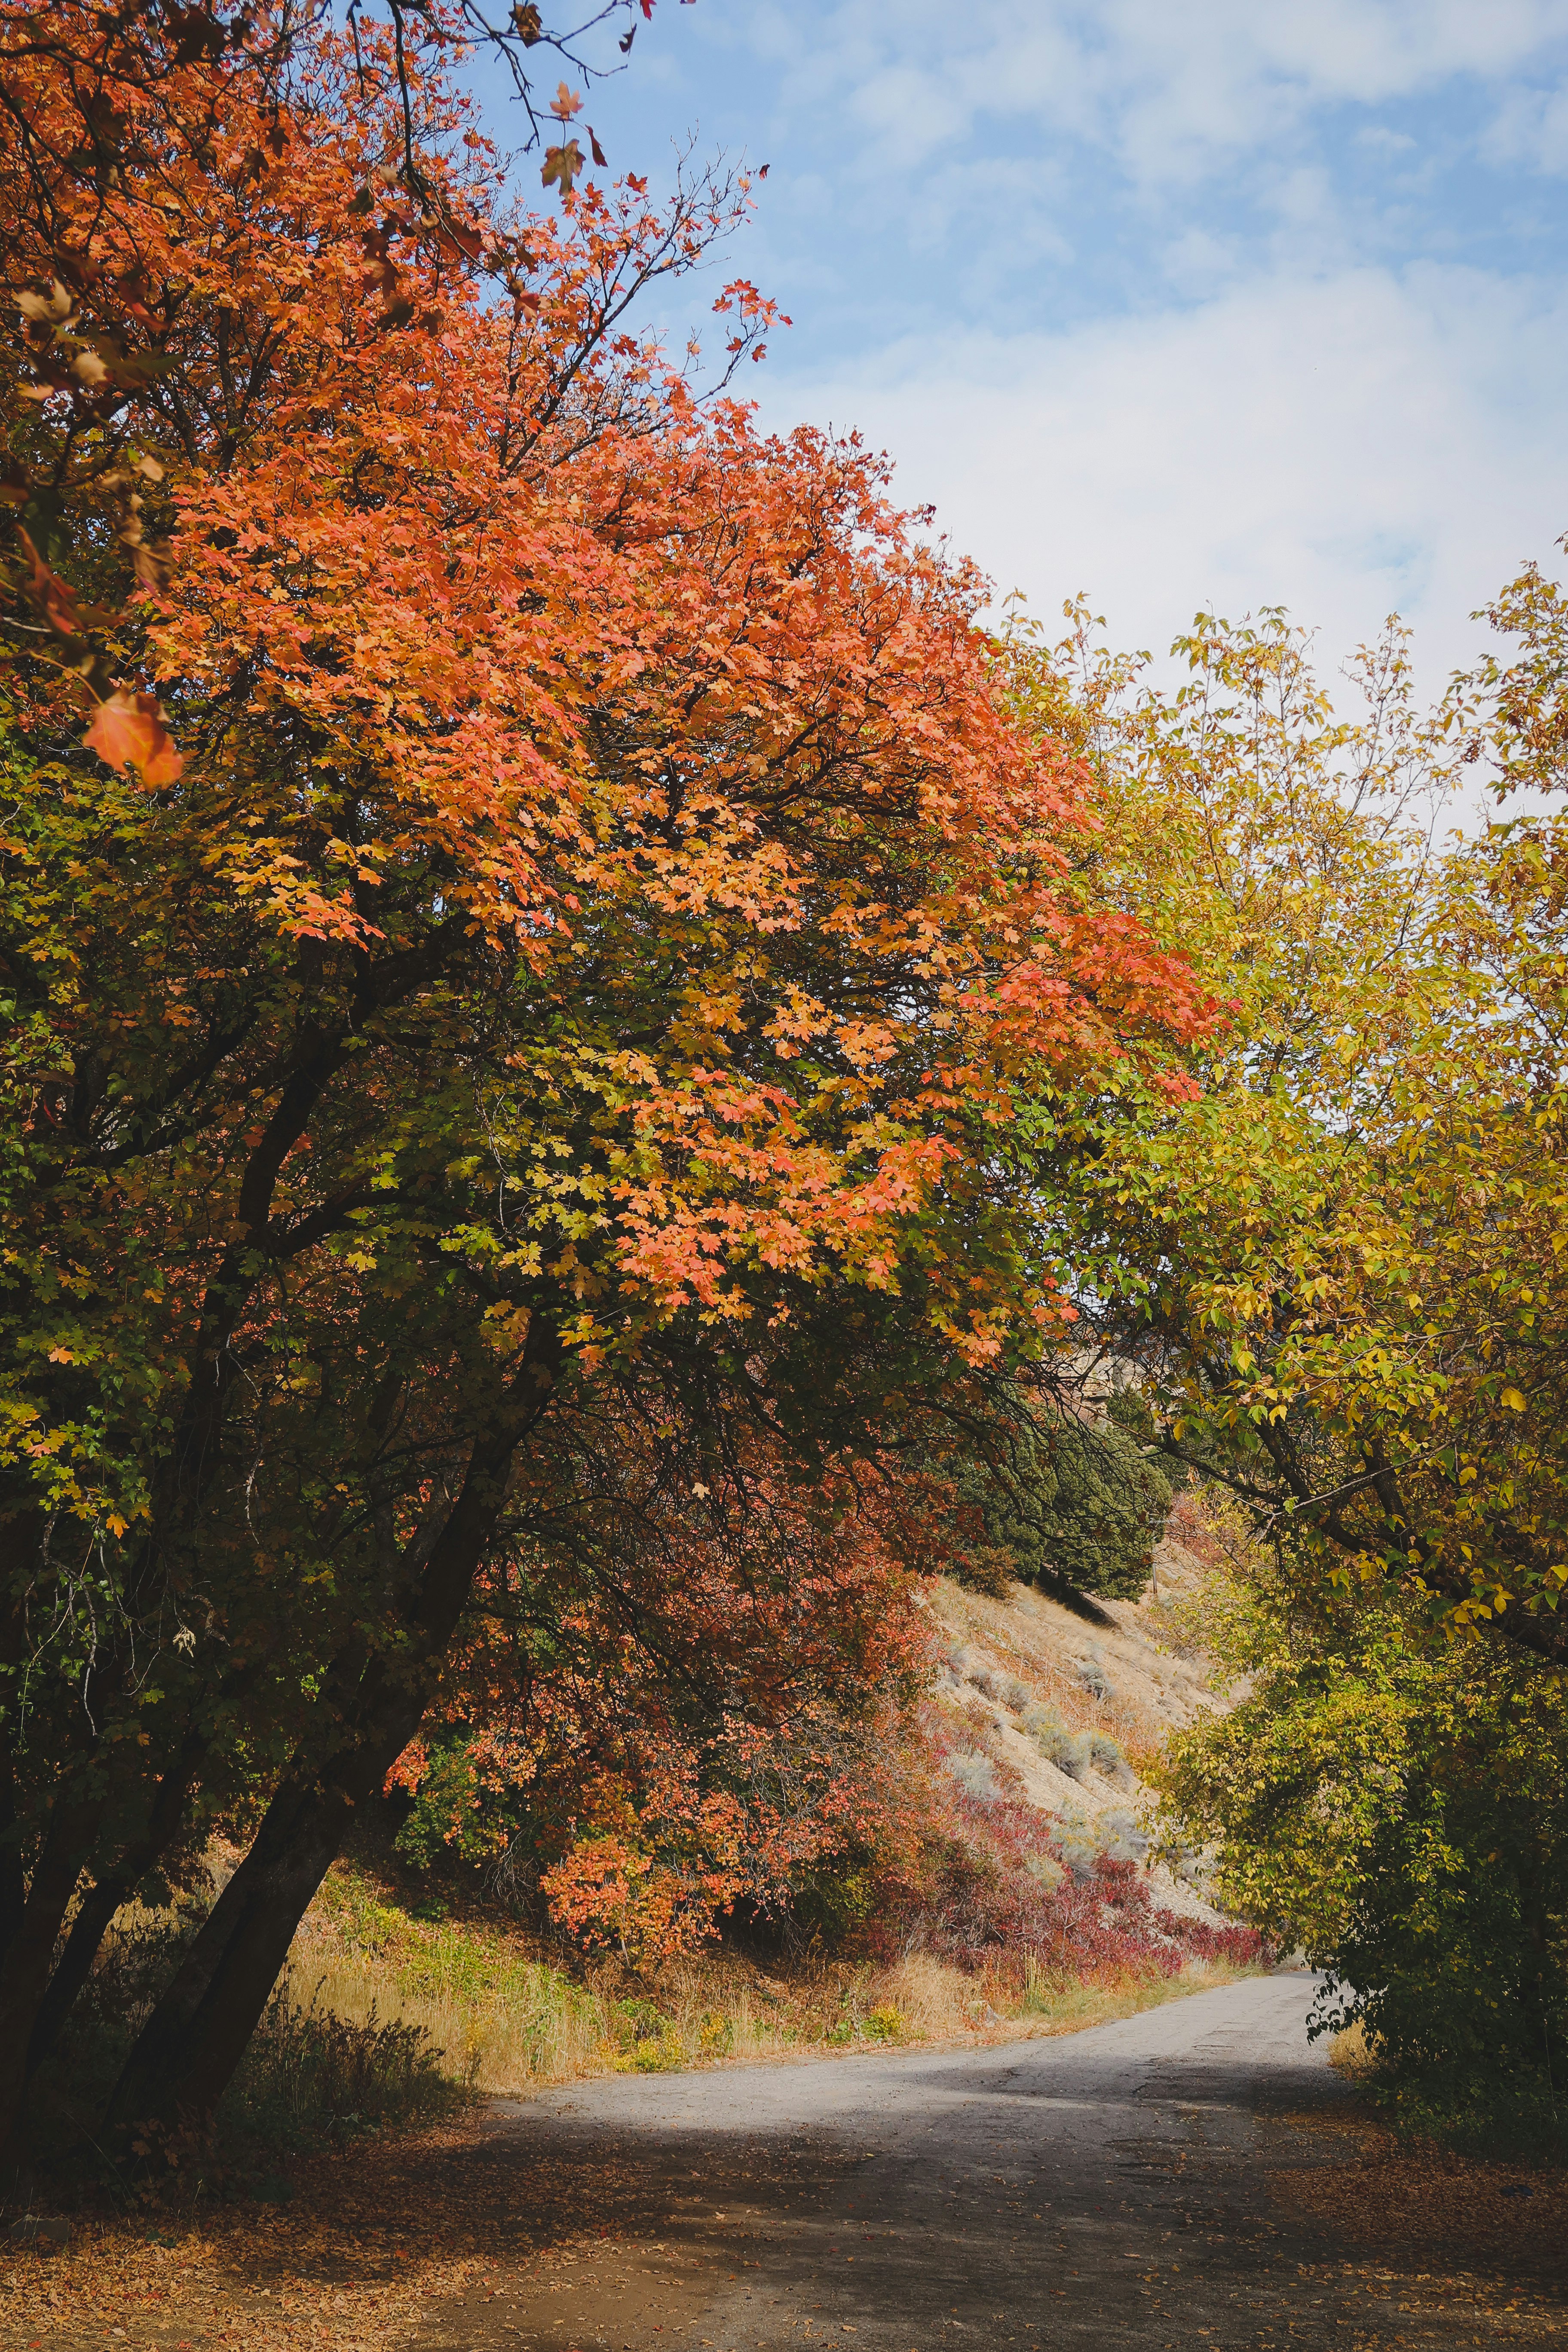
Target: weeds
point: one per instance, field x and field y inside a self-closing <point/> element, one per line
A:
<point x="309" y="2074"/>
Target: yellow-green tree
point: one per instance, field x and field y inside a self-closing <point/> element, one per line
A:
<point x="1338" y="1262"/>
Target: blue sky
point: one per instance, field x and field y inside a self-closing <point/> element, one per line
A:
<point x="1216" y="303"/>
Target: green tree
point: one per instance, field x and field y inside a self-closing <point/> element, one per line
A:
<point x="1072" y="1502"/>
<point x="1399" y="1811"/>
<point x="1338" y="1266"/>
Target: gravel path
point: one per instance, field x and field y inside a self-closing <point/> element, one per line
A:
<point x="1126" y="2186"/>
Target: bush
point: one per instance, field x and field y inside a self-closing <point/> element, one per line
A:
<point x="996" y="1881"/>
<point x="1070" y="1751"/>
<point x="642" y="2040"/>
<point x="1091" y="1674"/>
<point x="1120" y="1837"/>
<point x="829" y="1903"/>
<point x="308" y="2074"/>
<point x="1454" y="1954"/>
<point x="976" y="1776"/>
<point x="308" y="2078"/>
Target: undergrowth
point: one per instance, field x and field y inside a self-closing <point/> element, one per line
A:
<point x="310" y="2077"/>
<point x="1506" y="2114"/>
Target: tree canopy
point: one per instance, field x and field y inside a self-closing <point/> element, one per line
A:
<point x="1337" y="1268"/>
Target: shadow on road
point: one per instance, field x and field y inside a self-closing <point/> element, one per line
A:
<point x="1180" y="2179"/>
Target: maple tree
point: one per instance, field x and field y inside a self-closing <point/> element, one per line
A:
<point x="702" y="1702"/>
<point x="119" y="92"/>
<point x="562" y="941"/>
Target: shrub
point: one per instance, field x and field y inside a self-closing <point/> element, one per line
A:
<point x="976" y="1776"/>
<point x="1403" y="1813"/>
<point x="1079" y="1845"/>
<point x="644" y="2041"/>
<point x="1091" y="1674"/>
<point x="1120" y="1837"/>
<point x="1070" y="1751"/>
<point x="307" y="2073"/>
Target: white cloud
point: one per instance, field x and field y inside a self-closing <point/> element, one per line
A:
<point x="1346" y="447"/>
<point x="1173" y="92"/>
<point x="1530" y="126"/>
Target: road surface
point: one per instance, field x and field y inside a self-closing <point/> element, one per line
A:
<point x="1120" y="2187"/>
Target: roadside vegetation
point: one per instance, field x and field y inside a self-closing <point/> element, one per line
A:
<point x="1338" y="1269"/>
<point x="1022" y="1903"/>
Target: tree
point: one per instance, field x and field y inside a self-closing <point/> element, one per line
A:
<point x="1338" y="1271"/>
<point x="1340" y="1262"/>
<point x="556" y="931"/>
<point x="1398" y="1811"/>
<point x="1069" y="1499"/>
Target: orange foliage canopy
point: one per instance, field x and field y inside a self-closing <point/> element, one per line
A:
<point x="485" y="640"/>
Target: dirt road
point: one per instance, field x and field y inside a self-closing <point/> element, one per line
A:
<point x="1119" y="2187"/>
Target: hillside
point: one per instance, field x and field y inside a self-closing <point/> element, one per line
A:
<point x="1070" y="1706"/>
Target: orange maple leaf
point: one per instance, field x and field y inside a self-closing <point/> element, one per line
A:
<point x="129" y="731"/>
<point x="55" y="597"/>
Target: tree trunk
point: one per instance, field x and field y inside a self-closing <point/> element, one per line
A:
<point x="20" y="1533"/>
<point x="29" y="1956"/>
<point x="105" y="1897"/>
<point x="12" y="1874"/>
<point x="190" y="2046"/>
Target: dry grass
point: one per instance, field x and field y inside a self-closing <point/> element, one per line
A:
<point x="1352" y="2054"/>
<point x="508" y="2021"/>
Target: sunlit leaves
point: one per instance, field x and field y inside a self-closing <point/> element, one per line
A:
<point x="1348" y="1249"/>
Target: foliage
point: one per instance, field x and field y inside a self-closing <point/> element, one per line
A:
<point x="1339" y="1265"/>
<point x="993" y="1881"/>
<point x="702" y="1703"/>
<point x="1068" y="1501"/>
<point x="1399" y="1812"/>
<point x="1337" y="1273"/>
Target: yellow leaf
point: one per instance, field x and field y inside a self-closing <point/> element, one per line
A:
<point x="1513" y="1399"/>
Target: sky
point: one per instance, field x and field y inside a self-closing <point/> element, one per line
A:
<point x="1210" y="306"/>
